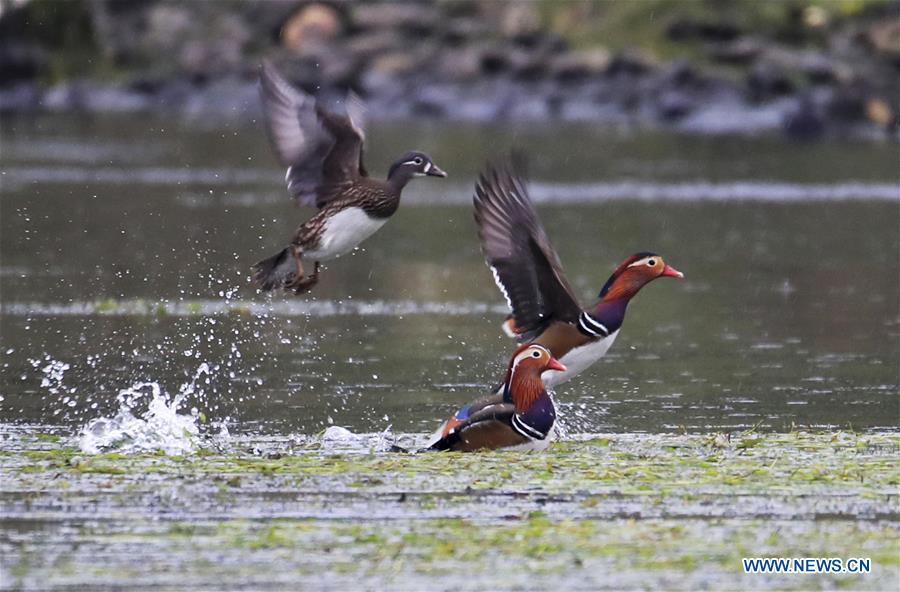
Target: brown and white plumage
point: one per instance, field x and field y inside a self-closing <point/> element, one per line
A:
<point x="320" y="149"/>
<point x="324" y="155"/>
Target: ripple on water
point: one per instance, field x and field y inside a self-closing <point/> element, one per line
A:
<point x="292" y="308"/>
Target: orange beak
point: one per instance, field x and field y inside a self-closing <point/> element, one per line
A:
<point x="555" y="364"/>
<point x="670" y="271"/>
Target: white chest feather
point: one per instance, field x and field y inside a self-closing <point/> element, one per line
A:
<point x="343" y="232"/>
<point x="578" y="359"/>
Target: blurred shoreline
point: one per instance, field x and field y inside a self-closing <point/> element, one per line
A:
<point x="804" y="69"/>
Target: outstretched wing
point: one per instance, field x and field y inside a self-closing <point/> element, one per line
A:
<point x="319" y="148"/>
<point x="344" y="161"/>
<point x="524" y="264"/>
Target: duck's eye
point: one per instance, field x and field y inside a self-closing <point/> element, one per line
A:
<point x="652" y="262"/>
<point x="417" y="160"/>
<point x="536" y="354"/>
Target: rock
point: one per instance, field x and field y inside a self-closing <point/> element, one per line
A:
<point x="681" y="74"/>
<point x="228" y="97"/>
<point x="173" y="94"/>
<point x="520" y="21"/>
<point x="815" y="17"/>
<point x="578" y="65"/>
<point x="847" y="103"/>
<point x="459" y="65"/>
<point x="631" y="63"/>
<point x="673" y="105"/>
<point x="766" y="80"/>
<point x="688" y="29"/>
<point x="531" y="69"/>
<point x="464" y="29"/>
<point x="884" y="38"/>
<point x="216" y="52"/>
<point x="168" y="26"/>
<point x="396" y="64"/>
<point x="83" y="95"/>
<point x="21" y="97"/>
<point x="20" y="61"/>
<point x="324" y="68"/>
<point x="197" y="59"/>
<point x="729" y="115"/>
<point x="313" y="25"/>
<point x="739" y="52"/>
<point x="820" y="69"/>
<point x="416" y="19"/>
<point x="367" y="45"/>
<point x="501" y="59"/>
<point x="804" y="120"/>
<point x="879" y="111"/>
<point x="432" y="101"/>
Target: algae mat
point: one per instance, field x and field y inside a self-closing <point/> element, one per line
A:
<point x="617" y="511"/>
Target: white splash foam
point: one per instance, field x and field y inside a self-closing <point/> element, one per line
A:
<point x="162" y="426"/>
<point x="338" y="439"/>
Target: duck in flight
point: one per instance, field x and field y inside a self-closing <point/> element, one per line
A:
<point x="526" y="268"/>
<point x="323" y="153"/>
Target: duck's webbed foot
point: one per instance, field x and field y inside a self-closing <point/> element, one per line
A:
<point x="304" y="284"/>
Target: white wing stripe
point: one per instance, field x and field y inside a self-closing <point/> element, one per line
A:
<point x="591" y="327"/>
<point x="595" y="323"/>
<point x="526" y="430"/>
<point x="501" y="287"/>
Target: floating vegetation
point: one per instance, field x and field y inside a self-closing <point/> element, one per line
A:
<point x="617" y="510"/>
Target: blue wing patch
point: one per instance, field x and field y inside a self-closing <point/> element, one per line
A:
<point x="462" y="413"/>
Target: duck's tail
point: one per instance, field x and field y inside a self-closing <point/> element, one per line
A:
<point x="509" y="327"/>
<point x="275" y="272"/>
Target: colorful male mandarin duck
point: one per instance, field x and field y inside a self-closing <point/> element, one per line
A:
<point x="528" y="272"/>
<point x="323" y="152"/>
<point x="521" y="416"/>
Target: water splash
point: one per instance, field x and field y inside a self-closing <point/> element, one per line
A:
<point x="338" y="439"/>
<point x="162" y="425"/>
<point x="53" y="372"/>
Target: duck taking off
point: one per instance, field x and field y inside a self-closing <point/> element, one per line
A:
<point x="521" y="416"/>
<point x="323" y="152"/>
<point x="526" y="268"/>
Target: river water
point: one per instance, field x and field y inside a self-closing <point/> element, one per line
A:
<point x="748" y="410"/>
<point x="126" y="245"/>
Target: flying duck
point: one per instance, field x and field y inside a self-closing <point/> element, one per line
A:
<point x="521" y="416"/>
<point x="526" y="268"/>
<point x="323" y="152"/>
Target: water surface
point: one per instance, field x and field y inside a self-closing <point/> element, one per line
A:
<point x="126" y="245"/>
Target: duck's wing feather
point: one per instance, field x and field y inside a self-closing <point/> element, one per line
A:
<point x="357" y="113"/>
<point x="343" y="163"/>
<point x="522" y="259"/>
<point x="320" y="149"/>
<point x="479" y="413"/>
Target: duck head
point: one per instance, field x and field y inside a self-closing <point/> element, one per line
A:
<point x="523" y="384"/>
<point x="634" y="273"/>
<point x="413" y="164"/>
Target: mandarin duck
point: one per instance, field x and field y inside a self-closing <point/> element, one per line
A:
<point x="323" y="152"/>
<point x="521" y="416"/>
<point x="526" y="268"/>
